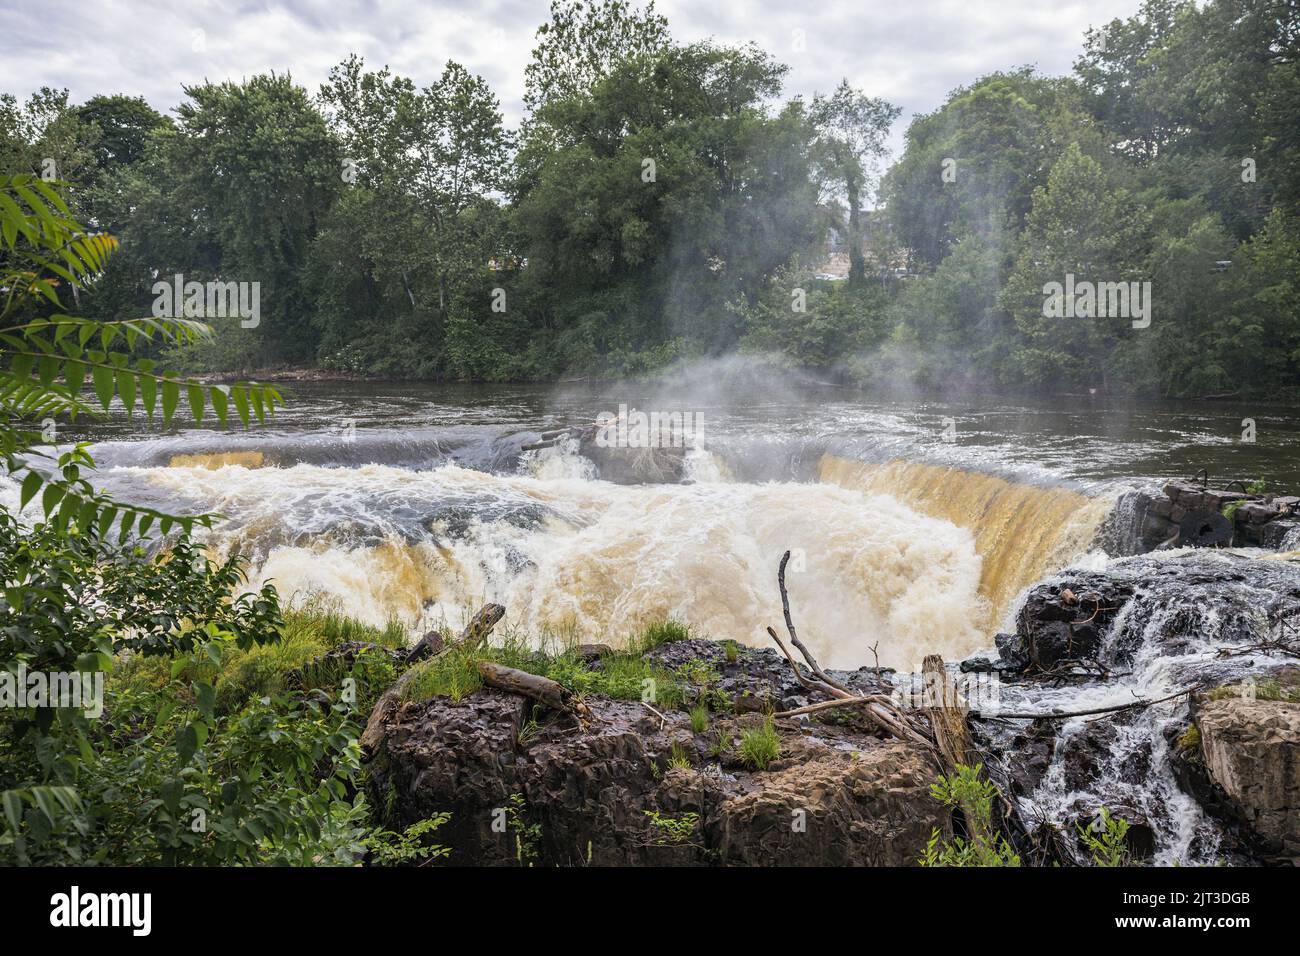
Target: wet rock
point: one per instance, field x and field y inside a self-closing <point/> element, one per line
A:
<point x="1257" y="512"/>
<point x="978" y="664"/>
<point x="1033" y="749"/>
<point x="1204" y="529"/>
<point x="1062" y="622"/>
<point x="1276" y="533"/>
<point x="1011" y="653"/>
<point x="634" y="466"/>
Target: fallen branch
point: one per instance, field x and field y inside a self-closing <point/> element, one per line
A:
<point x="475" y="633"/>
<point x="877" y="707"/>
<point x="545" y="691"/>
<point x="663" y="721"/>
<point x="1065" y="715"/>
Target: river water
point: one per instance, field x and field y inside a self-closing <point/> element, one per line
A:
<point x="915" y="525"/>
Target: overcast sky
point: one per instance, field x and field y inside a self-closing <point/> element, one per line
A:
<point x="911" y="52"/>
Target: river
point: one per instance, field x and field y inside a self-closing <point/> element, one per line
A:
<point x="915" y="525"/>
<point x="915" y="522"/>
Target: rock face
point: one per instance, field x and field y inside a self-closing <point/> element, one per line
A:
<point x="634" y="466"/>
<point x="1251" y="750"/>
<point x="629" y="788"/>
<point x="1186" y="514"/>
<point x="1061" y="622"/>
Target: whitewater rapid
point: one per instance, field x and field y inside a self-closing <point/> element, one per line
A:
<point x="569" y="555"/>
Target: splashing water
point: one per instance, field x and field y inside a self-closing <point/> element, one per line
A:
<point x="567" y="552"/>
<point x="1188" y="606"/>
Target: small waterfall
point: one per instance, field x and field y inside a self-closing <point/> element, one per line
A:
<point x="1187" y="607"/>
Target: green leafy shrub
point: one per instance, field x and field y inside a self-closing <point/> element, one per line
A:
<point x="965" y="792"/>
<point x="1106" y="840"/>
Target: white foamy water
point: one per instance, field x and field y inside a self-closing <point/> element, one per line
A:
<point x="562" y="552"/>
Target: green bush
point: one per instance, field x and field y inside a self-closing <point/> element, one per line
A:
<point x="965" y="792"/>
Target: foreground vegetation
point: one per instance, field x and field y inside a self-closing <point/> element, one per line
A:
<point x="663" y="201"/>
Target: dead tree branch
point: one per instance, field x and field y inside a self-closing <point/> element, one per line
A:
<point x="1066" y="715"/>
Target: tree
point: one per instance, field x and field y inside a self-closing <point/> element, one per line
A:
<point x="440" y="152"/>
<point x="851" y="130"/>
<point x="1080" y="224"/>
<point x="46" y="137"/>
<point x="971" y="167"/>
<point x="583" y="42"/>
<point x="676" y="190"/>
<point x="124" y="125"/>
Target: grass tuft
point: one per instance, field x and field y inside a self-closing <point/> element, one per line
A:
<point x="760" y="745"/>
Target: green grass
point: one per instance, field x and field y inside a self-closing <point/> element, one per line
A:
<point x="308" y="633"/>
<point x="760" y="745"/>
<point x="677" y="759"/>
<point x="262" y="671"/>
<point x="699" y="718"/>
<point x="657" y="633"/>
<point x="622" y="675"/>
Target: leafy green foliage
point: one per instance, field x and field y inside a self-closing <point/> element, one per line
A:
<point x="1106" y="839"/>
<point x="47" y="356"/>
<point x="966" y="793"/>
<point x="527" y="833"/>
<point x="396" y="849"/>
<point x="673" y="831"/>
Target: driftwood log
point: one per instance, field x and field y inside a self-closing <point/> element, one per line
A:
<point x="545" y="691"/>
<point x="947" y="715"/>
<point x="475" y="633"/>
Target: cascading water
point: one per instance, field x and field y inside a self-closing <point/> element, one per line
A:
<point x="1022" y="531"/>
<point x="1195" y="617"/>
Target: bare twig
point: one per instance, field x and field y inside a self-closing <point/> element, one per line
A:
<point x="1064" y="715"/>
<point x="794" y="638"/>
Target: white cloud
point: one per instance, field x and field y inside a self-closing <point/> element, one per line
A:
<point x="911" y="53"/>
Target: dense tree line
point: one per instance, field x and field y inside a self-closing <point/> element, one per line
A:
<point x="663" y="200"/>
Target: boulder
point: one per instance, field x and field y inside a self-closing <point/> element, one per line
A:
<point x="1062" y="622"/>
<point x="634" y="466"/>
<point x="1251" y="750"/>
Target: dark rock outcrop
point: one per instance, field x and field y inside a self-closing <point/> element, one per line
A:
<point x="1062" y="622"/>
<point x="629" y="787"/>
<point x="1186" y="514"/>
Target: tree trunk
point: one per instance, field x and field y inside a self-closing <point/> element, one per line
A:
<point x="947" y="716"/>
<point x="857" y="267"/>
